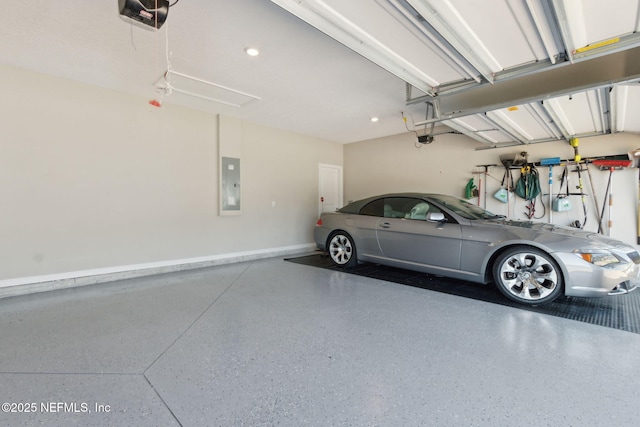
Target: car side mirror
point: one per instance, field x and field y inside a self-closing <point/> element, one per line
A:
<point x="435" y="217"/>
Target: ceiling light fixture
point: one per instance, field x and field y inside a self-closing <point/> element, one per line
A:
<point x="374" y="119"/>
<point x="252" y="51"/>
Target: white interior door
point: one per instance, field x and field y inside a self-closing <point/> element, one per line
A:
<point x="330" y="187"/>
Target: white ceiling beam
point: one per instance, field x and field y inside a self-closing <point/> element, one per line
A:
<point x="599" y="108"/>
<point x="619" y="101"/>
<point x="561" y="79"/>
<point x="548" y="32"/>
<point x="555" y="111"/>
<point x="448" y="22"/>
<point x="320" y="15"/>
<point x="471" y="132"/>
<point x="612" y="118"/>
<point x="517" y="71"/>
<point x="429" y="38"/>
<point x="544" y="120"/>
<point x="500" y="120"/>
<point x="609" y="47"/>
<point x="562" y="20"/>
<point x="537" y="141"/>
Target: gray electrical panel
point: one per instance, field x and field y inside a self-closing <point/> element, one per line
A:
<point x="230" y="176"/>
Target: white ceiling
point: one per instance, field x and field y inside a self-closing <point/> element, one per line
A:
<point x="500" y="71"/>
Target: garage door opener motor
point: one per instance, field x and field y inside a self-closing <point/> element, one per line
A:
<point x="151" y="13"/>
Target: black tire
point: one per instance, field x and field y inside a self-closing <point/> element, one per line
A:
<point x="341" y="249"/>
<point x="528" y="275"/>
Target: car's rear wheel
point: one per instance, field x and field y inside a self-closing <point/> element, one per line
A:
<point x="342" y="250"/>
<point x="528" y="275"/>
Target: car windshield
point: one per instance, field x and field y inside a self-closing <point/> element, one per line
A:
<point x="464" y="208"/>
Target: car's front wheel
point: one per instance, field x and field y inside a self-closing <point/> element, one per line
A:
<point x="342" y="250"/>
<point x="528" y="276"/>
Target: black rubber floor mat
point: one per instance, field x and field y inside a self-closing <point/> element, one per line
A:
<point x="618" y="312"/>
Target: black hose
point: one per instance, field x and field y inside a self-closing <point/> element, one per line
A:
<point x="606" y="194"/>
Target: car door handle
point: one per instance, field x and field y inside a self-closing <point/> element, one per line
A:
<point x="385" y="225"/>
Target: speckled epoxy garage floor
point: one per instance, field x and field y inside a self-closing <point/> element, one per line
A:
<point x="277" y="343"/>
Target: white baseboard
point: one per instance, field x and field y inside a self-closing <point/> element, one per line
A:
<point x="33" y="284"/>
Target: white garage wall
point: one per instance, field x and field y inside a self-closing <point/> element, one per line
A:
<point x="445" y="166"/>
<point x="94" y="179"/>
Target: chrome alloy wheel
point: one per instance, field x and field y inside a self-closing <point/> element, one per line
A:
<point x="528" y="275"/>
<point x="341" y="250"/>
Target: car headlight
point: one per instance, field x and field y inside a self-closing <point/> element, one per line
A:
<point x="600" y="258"/>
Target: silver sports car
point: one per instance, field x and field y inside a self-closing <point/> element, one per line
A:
<point x="531" y="263"/>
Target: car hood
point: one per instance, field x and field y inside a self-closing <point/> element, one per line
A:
<point x="556" y="237"/>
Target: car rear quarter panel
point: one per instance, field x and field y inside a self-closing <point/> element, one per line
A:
<point x="361" y="228"/>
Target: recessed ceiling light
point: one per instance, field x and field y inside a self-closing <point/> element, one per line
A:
<point x="374" y="119"/>
<point x="252" y="51"/>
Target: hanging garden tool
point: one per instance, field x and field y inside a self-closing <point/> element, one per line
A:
<point x="528" y="187"/>
<point x="562" y="203"/>
<point x="582" y="196"/>
<point x="509" y="161"/>
<point x="595" y="198"/>
<point x="503" y="193"/>
<point x="471" y="190"/>
<point x="574" y="142"/>
<point x="486" y="174"/>
<point x="611" y="165"/>
<point x="551" y="162"/>
<point x="482" y="188"/>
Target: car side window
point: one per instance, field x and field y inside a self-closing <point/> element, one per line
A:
<point x="395" y="207"/>
<point x="408" y="208"/>
<point x="399" y="207"/>
<point x="375" y="208"/>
